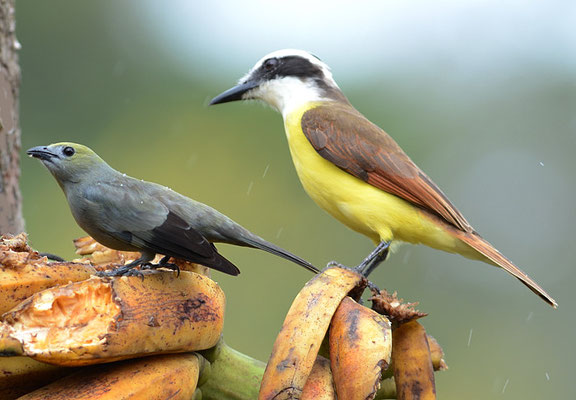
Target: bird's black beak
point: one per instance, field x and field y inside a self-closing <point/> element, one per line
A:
<point x="41" y="152"/>
<point x="235" y="93"/>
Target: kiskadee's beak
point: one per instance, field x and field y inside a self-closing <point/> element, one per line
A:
<point x="41" y="152"/>
<point x="235" y="93"/>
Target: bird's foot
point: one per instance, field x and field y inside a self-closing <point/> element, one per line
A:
<point x="163" y="264"/>
<point x="125" y="270"/>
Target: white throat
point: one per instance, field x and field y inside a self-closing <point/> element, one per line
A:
<point x="287" y="94"/>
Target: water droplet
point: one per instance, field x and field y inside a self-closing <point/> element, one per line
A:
<point x="470" y="337"/>
<point x="141" y="202"/>
<point x="279" y="232"/>
<point x="121" y="185"/>
<point x="249" y="188"/>
<point x="505" y="385"/>
<point x="547" y="376"/>
<point x="123" y="174"/>
<point x="266" y="170"/>
<point x="541" y="164"/>
<point x="529" y="317"/>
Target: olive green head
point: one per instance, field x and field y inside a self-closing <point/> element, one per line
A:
<point x="68" y="162"/>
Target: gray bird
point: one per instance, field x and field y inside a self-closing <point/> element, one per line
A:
<point x="129" y="214"/>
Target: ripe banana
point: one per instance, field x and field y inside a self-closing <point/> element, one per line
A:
<point x="413" y="370"/>
<point x="360" y="348"/>
<point x="320" y="383"/>
<point x="106" y="319"/>
<point x="305" y="326"/>
<point x="20" y="375"/>
<point x="24" y="272"/>
<point x="171" y="377"/>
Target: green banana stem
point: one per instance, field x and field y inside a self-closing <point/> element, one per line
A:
<point x="231" y="376"/>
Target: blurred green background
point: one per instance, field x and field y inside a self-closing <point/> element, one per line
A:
<point x="481" y="94"/>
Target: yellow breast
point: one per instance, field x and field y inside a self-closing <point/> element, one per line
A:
<point x="357" y="204"/>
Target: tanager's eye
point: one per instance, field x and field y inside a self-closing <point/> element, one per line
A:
<point x="68" y="151"/>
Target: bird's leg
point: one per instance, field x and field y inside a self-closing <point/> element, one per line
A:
<point x="164" y="264"/>
<point x="127" y="270"/>
<point x="378" y="255"/>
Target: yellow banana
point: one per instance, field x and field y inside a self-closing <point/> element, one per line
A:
<point x="164" y="377"/>
<point x="360" y="343"/>
<point x="320" y="383"/>
<point x="20" y="375"/>
<point x="105" y="319"/>
<point x="413" y="369"/>
<point x="23" y="272"/>
<point x="305" y="326"/>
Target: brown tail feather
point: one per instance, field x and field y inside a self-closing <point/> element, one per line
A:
<point x="482" y="246"/>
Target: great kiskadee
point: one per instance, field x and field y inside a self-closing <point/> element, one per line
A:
<point x="354" y="170"/>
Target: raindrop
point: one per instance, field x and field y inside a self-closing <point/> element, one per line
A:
<point x="121" y="185"/>
<point x="266" y="171"/>
<point x="279" y="232"/>
<point x="505" y="385"/>
<point x="470" y="337"/>
<point x="541" y="164"/>
<point x="529" y="317"/>
<point x="249" y="188"/>
<point x="123" y="174"/>
<point x="547" y="376"/>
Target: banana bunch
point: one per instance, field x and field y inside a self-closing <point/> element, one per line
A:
<point x="365" y="347"/>
<point x="58" y="317"/>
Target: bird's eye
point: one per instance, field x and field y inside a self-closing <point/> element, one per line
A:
<point x="270" y="64"/>
<point x="68" y="151"/>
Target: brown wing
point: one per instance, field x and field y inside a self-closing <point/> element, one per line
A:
<point x="343" y="136"/>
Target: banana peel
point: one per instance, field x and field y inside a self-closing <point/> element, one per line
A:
<point x="24" y="272"/>
<point x="413" y="369"/>
<point x="299" y="340"/>
<point x="320" y="382"/>
<point x="360" y="342"/>
<point x="107" y="319"/>
<point x="163" y="377"/>
<point x="20" y="375"/>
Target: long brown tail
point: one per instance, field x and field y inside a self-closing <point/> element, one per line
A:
<point x="482" y="246"/>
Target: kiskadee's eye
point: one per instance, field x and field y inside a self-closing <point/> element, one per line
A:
<point x="68" y="151"/>
<point x="270" y="64"/>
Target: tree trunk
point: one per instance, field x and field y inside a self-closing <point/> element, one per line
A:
<point x="11" y="220"/>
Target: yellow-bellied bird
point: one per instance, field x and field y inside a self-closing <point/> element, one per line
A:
<point x="129" y="214"/>
<point x="354" y="170"/>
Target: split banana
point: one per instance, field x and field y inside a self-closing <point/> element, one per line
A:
<point x="24" y="272"/>
<point x="105" y="319"/>
<point x="299" y="340"/>
<point x="360" y="349"/>
<point x="171" y="377"/>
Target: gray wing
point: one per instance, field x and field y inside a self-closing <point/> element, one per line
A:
<point x="132" y="211"/>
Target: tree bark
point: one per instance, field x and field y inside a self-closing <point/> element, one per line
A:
<point x="11" y="220"/>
